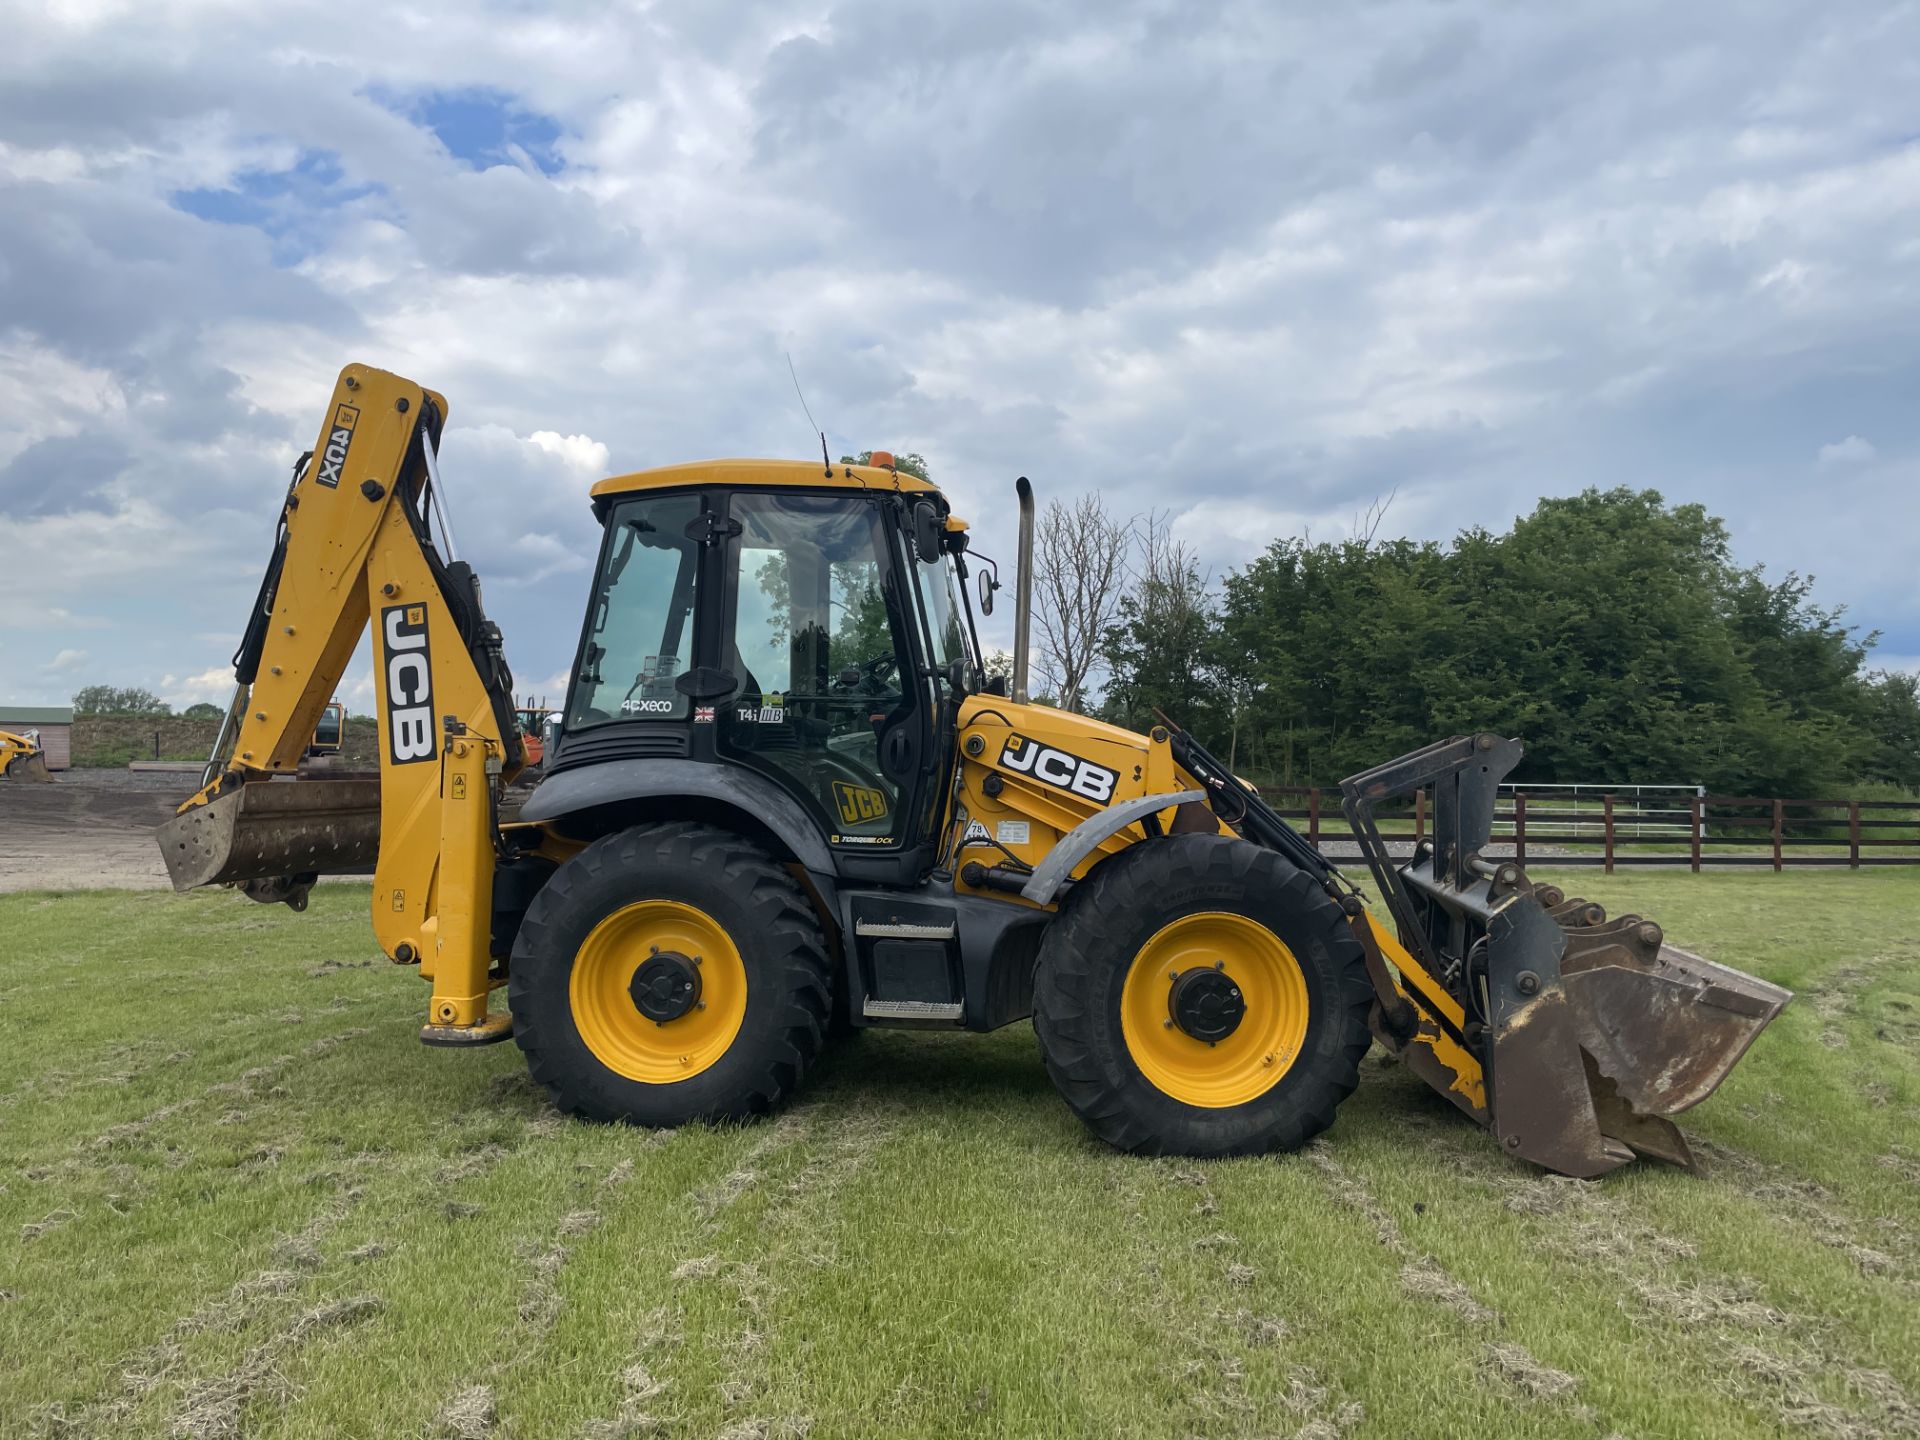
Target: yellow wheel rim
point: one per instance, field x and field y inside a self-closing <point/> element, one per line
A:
<point x="609" y="1020"/>
<point x="1266" y="1044"/>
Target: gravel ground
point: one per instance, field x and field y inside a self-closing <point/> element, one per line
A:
<point x="93" y="829"/>
<point x="89" y="829"/>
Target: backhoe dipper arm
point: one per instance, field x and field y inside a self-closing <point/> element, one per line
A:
<point x="354" y="546"/>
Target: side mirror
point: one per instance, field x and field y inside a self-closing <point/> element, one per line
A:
<point x="987" y="586"/>
<point x="927" y="527"/>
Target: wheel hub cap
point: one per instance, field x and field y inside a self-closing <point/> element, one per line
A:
<point x="1206" y="1004"/>
<point x="666" y="986"/>
<point x="1214" y="1009"/>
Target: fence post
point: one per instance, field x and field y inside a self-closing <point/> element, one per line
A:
<point x="1313" y="816"/>
<point x="1853" y="834"/>
<point x="1693" y="810"/>
<point x="1778" y="807"/>
<point x="1419" y="814"/>
<point x="1519" y="829"/>
<point x="1606" y="802"/>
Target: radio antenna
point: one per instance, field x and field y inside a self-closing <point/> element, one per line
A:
<point x="826" y="462"/>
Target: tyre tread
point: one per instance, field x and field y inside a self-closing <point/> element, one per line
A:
<point x="783" y="921"/>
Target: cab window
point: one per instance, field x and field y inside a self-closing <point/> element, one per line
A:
<point x="639" y="636"/>
<point x="820" y="703"/>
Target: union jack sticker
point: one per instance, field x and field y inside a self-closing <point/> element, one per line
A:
<point x="703" y="714"/>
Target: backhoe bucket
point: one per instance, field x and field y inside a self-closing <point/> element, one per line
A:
<point x="1590" y="1032"/>
<point x="273" y="837"/>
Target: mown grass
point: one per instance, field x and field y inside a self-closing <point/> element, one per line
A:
<point x="238" y="1197"/>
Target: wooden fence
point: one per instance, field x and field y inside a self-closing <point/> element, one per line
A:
<point x="1786" y="832"/>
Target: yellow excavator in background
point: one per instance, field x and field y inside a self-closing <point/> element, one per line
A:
<point x="783" y="799"/>
<point x="21" y="757"/>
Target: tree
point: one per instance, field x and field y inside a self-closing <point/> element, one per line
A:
<point x="118" y="700"/>
<point x="1893" y="721"/>
<point x="1160" y="650"/>
<point x="1614" y="633"/>
<point x="202" y="711"/>
<point x="1079" y="572"/>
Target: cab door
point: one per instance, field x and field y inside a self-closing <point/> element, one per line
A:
<point x="831" y="700"/>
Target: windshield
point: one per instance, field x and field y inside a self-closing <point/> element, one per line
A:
<point x="639" y="636"/>
<point x="946" y="634"/>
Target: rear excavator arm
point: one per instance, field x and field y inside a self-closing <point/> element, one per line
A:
<point x="354" y="545"/>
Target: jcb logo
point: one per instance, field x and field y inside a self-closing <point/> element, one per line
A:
<point x="857" y="804"/>
<point x="333" y="454"/>
<point x="409" y="675"/>
<point x="1059" y="769"/>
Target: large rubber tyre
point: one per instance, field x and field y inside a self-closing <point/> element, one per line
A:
<point x="748" y="903"/>
<point x="1113" y="920"/>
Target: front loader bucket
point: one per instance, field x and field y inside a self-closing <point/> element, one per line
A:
<point x="270" y="831"/>
<point x="30" y="767"/>
<point x="1590" y="1032"/>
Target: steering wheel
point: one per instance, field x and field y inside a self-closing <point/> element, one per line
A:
<point x="869" y="676"/>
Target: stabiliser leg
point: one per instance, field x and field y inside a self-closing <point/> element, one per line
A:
<point x="460" y="958"/>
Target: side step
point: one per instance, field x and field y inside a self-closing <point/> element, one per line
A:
<point x="913" y="1010"/>
<point x="900" y="930"/>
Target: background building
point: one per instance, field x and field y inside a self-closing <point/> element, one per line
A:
<point x="55" y="724"/>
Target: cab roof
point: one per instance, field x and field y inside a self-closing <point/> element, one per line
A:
<point x="760" y="473"/>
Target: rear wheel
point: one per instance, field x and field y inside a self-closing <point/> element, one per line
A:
<point x="669" y="973"/>
<point x="1203" y="996"/>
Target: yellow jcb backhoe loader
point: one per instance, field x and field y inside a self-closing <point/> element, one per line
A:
<point x="21" y="757"/>
<point x="783" y="801"/>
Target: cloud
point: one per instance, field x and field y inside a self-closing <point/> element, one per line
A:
<point x="211" y="686"/>
<point x="1259" y="265"/>
<point x="582" y="453"/>
<point x="67" y="660"/>
<point x="1850" y="451"/>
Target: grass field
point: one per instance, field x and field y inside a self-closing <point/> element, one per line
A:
<point x="238" y="1198"/>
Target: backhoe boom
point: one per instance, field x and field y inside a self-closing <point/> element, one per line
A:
<point x="353" y="546"/>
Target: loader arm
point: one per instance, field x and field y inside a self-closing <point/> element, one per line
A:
<point x="354" y="546"/>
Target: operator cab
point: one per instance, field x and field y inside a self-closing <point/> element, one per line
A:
<point x="809" y="627"/>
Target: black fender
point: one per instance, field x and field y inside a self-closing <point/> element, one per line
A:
<point x="615" y="782"/>
<point x="1086" y="837"/>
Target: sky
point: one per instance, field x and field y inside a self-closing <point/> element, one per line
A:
<point x="1257" y="266"/>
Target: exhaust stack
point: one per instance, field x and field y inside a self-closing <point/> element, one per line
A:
<point x="1023" y="592"/>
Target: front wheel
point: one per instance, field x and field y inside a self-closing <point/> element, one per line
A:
<point x="1202" y="996"/>
<point x="666" y="974"/>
